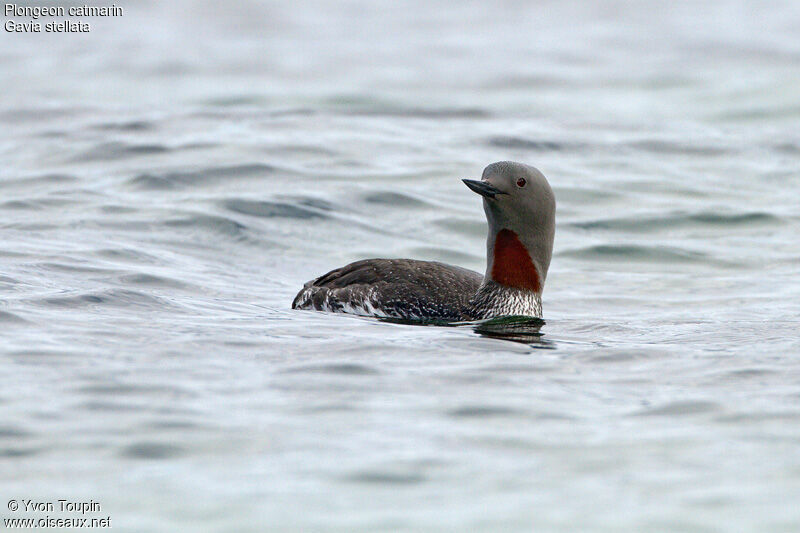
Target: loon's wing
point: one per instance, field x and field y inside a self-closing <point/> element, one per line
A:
<point x="396" y="288"/>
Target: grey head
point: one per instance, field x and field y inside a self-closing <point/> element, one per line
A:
<point x="520" y="208"/>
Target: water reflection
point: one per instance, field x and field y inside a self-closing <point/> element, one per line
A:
<point x="522" y="329"/>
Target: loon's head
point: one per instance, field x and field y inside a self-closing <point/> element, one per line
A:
<point x="520" y="207"/>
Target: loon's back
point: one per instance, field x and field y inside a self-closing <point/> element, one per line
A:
<point x="395" y="288"/>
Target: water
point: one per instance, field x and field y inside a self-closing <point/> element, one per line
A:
<point x="172" y="179"/>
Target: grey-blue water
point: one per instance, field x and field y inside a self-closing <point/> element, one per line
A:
<point x="170" y="180"/>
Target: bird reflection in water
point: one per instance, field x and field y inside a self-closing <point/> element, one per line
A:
<point x="522" y="329"/>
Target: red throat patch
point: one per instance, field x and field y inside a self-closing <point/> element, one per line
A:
<point x="512" y="265"/>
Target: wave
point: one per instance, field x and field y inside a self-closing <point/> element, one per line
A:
<point x="109" y="298"/>
<point x="8" y="318"/>
<point x="110" y="151"/>
<point x="674" y="220"/>
<point x="394" y="199"/>
<point x="533" y="145"/>
<point x="38" y="181"/>
<point x="640" y="253"/>
<point x="298" y="207"/>
<point x="347" y="369"/>
<point x="200" y="177"/>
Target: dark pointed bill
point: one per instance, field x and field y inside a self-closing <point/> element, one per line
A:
<point x="483" y="188"/>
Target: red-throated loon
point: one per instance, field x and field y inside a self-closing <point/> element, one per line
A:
<point x="520" y="208"/>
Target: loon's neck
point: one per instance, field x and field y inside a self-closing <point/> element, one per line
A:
<point x="509" y="263"/>
<point x="494" y="299"/>
<point x="513" y="284"/>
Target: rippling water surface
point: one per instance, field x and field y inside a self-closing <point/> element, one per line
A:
<point x="170" y="181"/>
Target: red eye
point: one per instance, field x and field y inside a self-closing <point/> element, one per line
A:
<point x="521" y="182"/>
